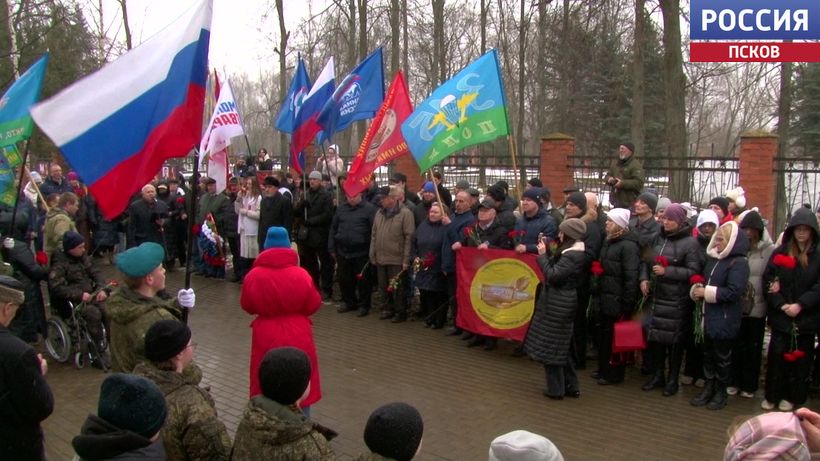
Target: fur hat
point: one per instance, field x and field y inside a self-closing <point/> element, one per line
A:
<point x="132" y="403"/>
<point x="523" y="446"/>
<point x="277" y="237"/>
<point x="620" y="216"/>
<point x="573" y="228"/>
<point x="722" y="203"/>
<point x="394" y="431"/>
<point x="532" y="193"/>
<point x="284" y="374"/>
<point x="708" y="216"/>
<point x="165" y="339"/>
<point x="72" y="240"/>
<point x="650" y="199"/>
<point x="737" y="195"/>
<point x="141" y="260"/>
<point x="11" y="290"/>
<point x="579" y="200"/>
<point x="676" y="213"/>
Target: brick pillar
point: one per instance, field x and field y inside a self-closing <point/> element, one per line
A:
<point x="407" y="165"/>
<point x="757" y="152"/>
<point x="555" y="172"/>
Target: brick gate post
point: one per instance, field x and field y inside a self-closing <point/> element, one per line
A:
<point x="554" y="170"/>
<point x="757" y="153"/>
<point x="407" y="165"/>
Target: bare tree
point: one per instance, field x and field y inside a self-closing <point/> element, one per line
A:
<point x="638" y="131"/>
<point x="675" y="99"/>
<point x="281" y="50"/>
<point x="783" y="131"/>
<point x="126" y="26"/>
<point x="395" y="36"/>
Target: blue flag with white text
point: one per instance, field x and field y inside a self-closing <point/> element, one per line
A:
<point x="299" y="88"/>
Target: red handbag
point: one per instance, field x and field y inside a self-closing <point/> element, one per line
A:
<point x="628" y="336"/>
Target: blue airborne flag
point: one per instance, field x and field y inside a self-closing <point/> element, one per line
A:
<point x="299" y="88"/>
<point x="15" y="119"/>
<point x="357" y="97"/>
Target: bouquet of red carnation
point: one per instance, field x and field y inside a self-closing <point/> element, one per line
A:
<point x="597" y="271"/>
<point x="794" y="354"/>
<point x="394" y="282"/>
<point x="662" y="261"/>
<point x="694" y="281"/>
<point x="472" y="234"/>
<point x="360" y="275"/>
<point x="429" y="260"/>
<point x="516" y="236"/>
<point x="781" y="263"/>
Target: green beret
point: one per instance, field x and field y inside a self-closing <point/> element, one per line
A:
<point x="140" y="261"/>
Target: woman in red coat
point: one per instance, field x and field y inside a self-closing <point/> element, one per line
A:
<point x="282" y="296"/>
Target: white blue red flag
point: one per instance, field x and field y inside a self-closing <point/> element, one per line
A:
<point x="357" y="97"/>
<point x="305" y="127"/>
<point x="299" y="88"/>
<point x="226" y="123"/>
<point x="118" y="125"/>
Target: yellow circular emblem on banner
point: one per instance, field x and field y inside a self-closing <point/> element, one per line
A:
<point x="503" y="293"/>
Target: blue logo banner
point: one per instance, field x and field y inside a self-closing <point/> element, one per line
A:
<point x="755" y="20"/>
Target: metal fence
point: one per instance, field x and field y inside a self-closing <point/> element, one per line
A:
<point x="801" y="182"/>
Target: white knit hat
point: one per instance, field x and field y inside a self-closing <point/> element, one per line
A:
<point x="523" y="446"/>
<point x="737" y="195"/>
<point x="619" y="216"/>
<point x="708" y="216"/>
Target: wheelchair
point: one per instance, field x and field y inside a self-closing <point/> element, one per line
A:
<point x="69" y="338"/>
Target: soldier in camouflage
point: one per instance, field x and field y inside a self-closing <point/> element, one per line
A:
<point x="192" y="430"/>
<point x="273" y="426"/>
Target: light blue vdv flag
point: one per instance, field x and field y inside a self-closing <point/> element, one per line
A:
<point x="15" y="120"/>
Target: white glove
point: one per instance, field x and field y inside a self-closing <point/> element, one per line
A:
<point x="186" y="298"/>
<point x="8" y="243"/>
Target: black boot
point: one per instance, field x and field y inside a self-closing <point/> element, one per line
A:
<point x="705" y="395"/>
<point x="720" y="399"/>
<point x="675" y="360"/>
<point x="655" y="382"/>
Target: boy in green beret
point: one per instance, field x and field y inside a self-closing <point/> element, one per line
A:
<point x="134" y="307"/>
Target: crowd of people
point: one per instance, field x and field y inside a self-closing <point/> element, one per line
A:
<point x="703" y="284"/>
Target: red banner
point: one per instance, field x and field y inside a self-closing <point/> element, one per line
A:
<point x="383" y="141"/>
<point x="496" y="291"/>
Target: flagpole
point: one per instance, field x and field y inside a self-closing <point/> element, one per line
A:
<point x="19" y="188"/>
<point x="430" y="178"/>
<point x="515" y="170"/>
<point x="191" y="220"/>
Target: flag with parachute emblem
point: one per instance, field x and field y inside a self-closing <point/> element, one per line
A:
<point x="15" y="120"/>
<point x="468" y="109"/>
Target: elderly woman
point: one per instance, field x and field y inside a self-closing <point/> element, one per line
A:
<point x="666" y="283"/>
<point x="549" y="339"/>
<point x="793" y="298"/>
<point x="726" y="274"/>
<point x="425" y="251"/>
<point x="247" y="208"/>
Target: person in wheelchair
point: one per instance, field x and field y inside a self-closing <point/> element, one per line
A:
<point x="74" y="279"/>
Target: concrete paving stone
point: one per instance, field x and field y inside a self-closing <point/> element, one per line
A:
<point x="467" y="396"/>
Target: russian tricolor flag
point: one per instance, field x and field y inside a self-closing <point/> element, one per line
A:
<point x="306" y="128"/>
<point x="118" y="125"/>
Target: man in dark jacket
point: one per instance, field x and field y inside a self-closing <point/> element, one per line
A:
<point x="349" y="244"/>
<point x="30" y="318"/>
<point x="317" y="210"/>
<point x="230" y="231"/>
<point x="400" y="180"/>
<point x="625" y="177"/>
<point x="147" y="217"/>
<point x="504" y="209"/>
<point x="428" y="196"/>
<point x="25" y="398"/>
<point x="533" y="222"/>
<point x="55" y="183"/>
<point x="643" y="223"/>
<point x="275" y="209"/>
<point x="461" y="217"/>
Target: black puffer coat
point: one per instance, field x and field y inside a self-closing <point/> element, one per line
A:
<point x="618" y="287"/>
<point x="550" y="332"/>
<point x="727" y="274"/>
<point x="318" y="207"/>
<point x="799" y="285"/>
<point x="669" y="300"/>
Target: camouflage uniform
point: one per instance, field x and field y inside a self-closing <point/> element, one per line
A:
<point x="58" y="222"/>
<point x="192" y="430"/>
<point x="274" y="432"/>
<point x="131" y="314"/>
<point x="69" y="278"/>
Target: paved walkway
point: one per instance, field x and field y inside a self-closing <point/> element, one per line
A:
<point x="467" y="396"/>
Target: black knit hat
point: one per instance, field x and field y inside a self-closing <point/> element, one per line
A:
<point x="165" y="339"/>
<point x="532" y="194"/>
<point x="579" y="199"/>
<point x="535" y="182"/>
<point x="629" y="146"/>
<point x="752" y="220"/>
<point x="650" y="199"/>
<point x="394" y="431"/>
<point x="497" y="192"/>
<point x="132" y="403"/>
<point x="284" y="374"/>
<point x="722" y="203"/>
<point x="72" y="240"/>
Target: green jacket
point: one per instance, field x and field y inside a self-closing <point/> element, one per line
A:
<point x="58" y="222"/>
<point x="630" y="172"/>
<point x="192" y="430"/>
<point x="273" y="432"/>
<point x="131" y="315"/>
<point x="70" y="277"/>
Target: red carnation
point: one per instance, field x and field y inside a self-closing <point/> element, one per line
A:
<point x="784" y="261"/>
<point x="468" y="231"/>
<point x="662" y="261"/>
<point x="798" y="354"/>
<point x="697" y="279"/>
<point x="789" y="357"/>
<point x="597" y="269"/>
<point x="181" y="200"/>
<point x="359" y="276"/>
<point x="42" y="258"/>
<point x="390" y="289"/>
<point x="197" y="228"/>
